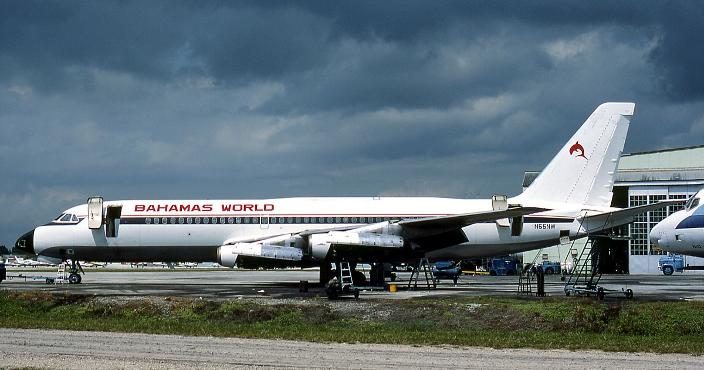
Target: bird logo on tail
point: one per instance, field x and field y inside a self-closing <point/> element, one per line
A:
<point x="579" y="149"/>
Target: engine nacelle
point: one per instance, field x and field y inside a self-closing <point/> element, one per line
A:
<point x="228" y="254"/>
<point x="320" y="243"/>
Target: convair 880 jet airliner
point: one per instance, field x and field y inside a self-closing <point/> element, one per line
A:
<point x="568" y="200"/>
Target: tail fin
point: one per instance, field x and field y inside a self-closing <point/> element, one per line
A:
<point x="583" y="171"/>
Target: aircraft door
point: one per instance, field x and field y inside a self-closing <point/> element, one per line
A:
<point x="112" y="221"/>
<point x="95" y="212"/>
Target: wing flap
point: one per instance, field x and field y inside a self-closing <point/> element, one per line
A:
<point x="465" y="219"/>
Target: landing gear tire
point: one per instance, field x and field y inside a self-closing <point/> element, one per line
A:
<point x="668" y="270"/>
<point x="600" y="294"/>
<point x="74" y="278"/>
<point x="356" y="294"/>
<point x="629" y="294"/>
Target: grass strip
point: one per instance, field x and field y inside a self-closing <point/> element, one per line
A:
<point x="630" y="326"/>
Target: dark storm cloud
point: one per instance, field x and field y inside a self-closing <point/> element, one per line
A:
<point x="186" y="99"/>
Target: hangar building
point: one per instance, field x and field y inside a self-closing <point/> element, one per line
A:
<point x="642" y="178"/>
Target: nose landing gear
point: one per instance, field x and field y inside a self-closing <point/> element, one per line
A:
<point x="74" y="277"/>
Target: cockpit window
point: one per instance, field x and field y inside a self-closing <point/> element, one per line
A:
<point x="57" y="218"/>
<point x="692" y="203"/>
<point x="67" y="218"/>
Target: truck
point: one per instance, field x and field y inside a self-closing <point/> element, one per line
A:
<point x="503" y="266"/>
<point x="671" y="263"/>
<point x="676" y="263"/>
<point x="550" y="267"/>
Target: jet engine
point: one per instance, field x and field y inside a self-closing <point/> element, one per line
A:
<point x="228" y="254"/>
<point x="320" y="243"/>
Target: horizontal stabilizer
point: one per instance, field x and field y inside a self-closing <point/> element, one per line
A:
<point x="621" y="217"/>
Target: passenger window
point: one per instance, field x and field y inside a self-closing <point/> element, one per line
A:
<point x="230" y="220"/>
<point x="189" y="220"/>
<point x="255" y="220"/>
<point x="180" y="220"/>
<point x="148" y="220"/>
<point x="206" y="220"/>
<point x="238" y="220"/>
<point x="197" y="219"/>
<point x="156" y="220"/>
<point x="282" y="220"/>
<point x="173" y="220"/>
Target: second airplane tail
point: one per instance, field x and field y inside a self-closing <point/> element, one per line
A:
<point x="583" y="171"/>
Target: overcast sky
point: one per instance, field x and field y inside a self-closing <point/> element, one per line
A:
<point x="164" y="100"/>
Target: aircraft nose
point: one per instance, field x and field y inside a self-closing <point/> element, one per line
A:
<point x="26" y="243"/>
<point x="656" y="236"/>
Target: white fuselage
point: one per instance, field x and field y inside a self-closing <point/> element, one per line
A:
<point x="192" y="230"/>
<point x="683" y="231"/>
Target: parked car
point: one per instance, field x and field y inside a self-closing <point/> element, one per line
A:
<point x="447" y="270"/>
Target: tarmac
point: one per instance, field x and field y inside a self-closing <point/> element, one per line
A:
<point x="96" y="350"/>
<point x="226" y="283"/>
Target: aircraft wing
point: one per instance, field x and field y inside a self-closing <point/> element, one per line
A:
<point x="623" y="216"/>
<point x="361" y="238"/>
<point x="465" y="219"/>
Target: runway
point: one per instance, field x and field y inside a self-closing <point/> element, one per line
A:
<point x="98" y="350"/>
<point x="284" y="284"/>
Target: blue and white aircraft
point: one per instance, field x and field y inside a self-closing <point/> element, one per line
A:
<point x="683" y="231"/>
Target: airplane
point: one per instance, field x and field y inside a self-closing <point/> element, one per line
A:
<point x="683" y="231"/>
<point x="22" y="262"/>
<point x="570" y="199"/>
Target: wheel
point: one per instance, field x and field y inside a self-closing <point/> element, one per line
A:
<point x="332" y="288"/>
<point x="667" y="270"/>
<point x="492" y="273"/>
<point x="600" y="294"/>
<point x="629" y="294"/>
<point x="74" y="279"/>
<point x="549" y="271"/>
<point x="356" y="294"/>
<point x="359" y="277"/>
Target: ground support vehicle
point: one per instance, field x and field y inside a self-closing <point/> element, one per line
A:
<point x="446" y="270"/>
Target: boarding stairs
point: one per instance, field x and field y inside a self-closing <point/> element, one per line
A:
<point x="61" y="274"/>
<point x="526" y="279"/>
<point x="345" y="276"/>
<point x="585" y="276"/>
<point x="424" y="266"/>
